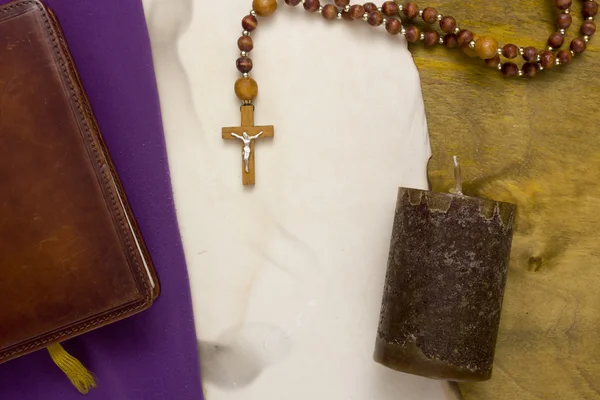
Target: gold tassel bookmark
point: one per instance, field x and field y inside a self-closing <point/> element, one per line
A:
<point x="79" y="376"/>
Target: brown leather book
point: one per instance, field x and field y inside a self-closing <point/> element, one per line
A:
<point x="72" y="258"/>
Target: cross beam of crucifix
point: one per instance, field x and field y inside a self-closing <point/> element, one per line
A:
<point x="247" y="134"/>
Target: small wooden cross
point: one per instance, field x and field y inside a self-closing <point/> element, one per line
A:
<point x="247" y="135"/>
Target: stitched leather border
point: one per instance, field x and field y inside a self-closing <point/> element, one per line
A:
<point x="102" y="159"/>
<point x="88" y="119"/>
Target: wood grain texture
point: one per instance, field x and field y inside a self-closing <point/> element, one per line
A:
<point x="534" y="143"/>
<point x="247" y="118"/>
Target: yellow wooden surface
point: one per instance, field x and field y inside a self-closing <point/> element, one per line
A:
<point x="536" y="143"/>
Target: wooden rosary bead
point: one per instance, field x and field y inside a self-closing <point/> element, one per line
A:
<point x="244" y="64"/>
<point x="486" y="47"/>
<point x="451" y="40"/>
<point x="510" y="51"/>
<point x="246" y="88"/>
<point x="312" y="5"/>
<point x="530" y="54"/>
<point x="493" y="62"/>
<point x="509" y="69"/>
<point x="357" y="11"/>
<point x="390" y="8"/>
<point x="556" y="40"/>
<point x="413" y="34"/>
<point x="465" y="36"/>
<point x="430" y="15"/>
<point x="564" y="56"/>
<point x="411" y="10"/>
<point x="562" y="4"/>
<point x="547" y="59"/>
<point x="347" y="16"/>
<point x="329" y="12"/>
<point x="264" y="8"/>
<point x="590" y="8"/>
<point x="375" y="18"/>
<point x="370" y="7"/>
<point x="245" y="43"/>
<point x="578" y="45"/>
<point x="342" y="3"/>
<point x="431" y="38"/>
<point x="393" y="26"/>
<point x="249" y="23"/>
<point x="448" y="24"/>
<point x="563" y="21"/>
<point x="588" y="28"/>
<point x="292" y="3"/>
<point x="530" y="69"/>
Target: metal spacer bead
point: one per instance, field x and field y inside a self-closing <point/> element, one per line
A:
<point x="572" y="53"/>
<point x="562" y="31"/>
<point x="365" y="16"/>
<point x="472" y="44"/>
<point x="499" y="67"/>
<point x="403" y="31"/>
<point x="246" y="33"/>
<point x="422" y="37"/>
<point x="347" y="8"/>
<point x="245" y="74"/>
<point x="499" y="51"/>
<point x="550" y="48"/>
<point x="441" y="40"/>
<point x="557" y="61"/>
<point x="590" y="18"/>
<point x="439" y="17"/>
<point x="379" y="9"/>
<point x="567" y="11"/>
<point x="520" y="72"/>
<point x="456" y="30"/>
<point x="253" y="13"/>
<point x="339" y="16"/>
<point x="586" y="38"/>
<point x="246" y="102"/>
<point x="540" y="67"/>
<point x="243" y="54"/>
<point x="400" y="8"/>
<point x="320" y="8"/>
<point x="420" y="13"/>
<point x="521" y="51"/>
<point x="538" y="58"/>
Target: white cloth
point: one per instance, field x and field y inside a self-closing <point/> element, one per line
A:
<point x="287" y="276"/>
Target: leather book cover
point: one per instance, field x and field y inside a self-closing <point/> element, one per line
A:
<point x="72" y="258"/>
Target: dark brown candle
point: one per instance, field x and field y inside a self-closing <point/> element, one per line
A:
<point x="444" y="286"/>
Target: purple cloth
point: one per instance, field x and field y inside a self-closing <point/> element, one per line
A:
<point x="152" y="355"/>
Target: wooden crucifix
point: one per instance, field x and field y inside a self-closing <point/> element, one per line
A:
<point x="247" y="135"/>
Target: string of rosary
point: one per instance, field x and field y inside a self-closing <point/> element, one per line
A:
<point x="400" y="19"/>
<point x="396" y="18"/>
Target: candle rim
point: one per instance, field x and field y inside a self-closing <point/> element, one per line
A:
<point x="456" y="195"/>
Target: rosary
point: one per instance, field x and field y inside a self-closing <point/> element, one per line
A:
<point x="395" y="17"/>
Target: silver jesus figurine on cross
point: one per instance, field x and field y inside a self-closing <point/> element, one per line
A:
<point x="247" y="150"/>
<point x="247" y="134"/>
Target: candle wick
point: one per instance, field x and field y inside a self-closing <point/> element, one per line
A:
<point x="457" y="177"/>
